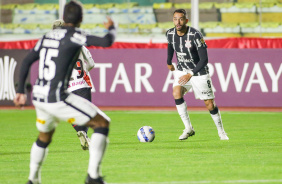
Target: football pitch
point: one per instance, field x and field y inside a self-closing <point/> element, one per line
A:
<point x="252" y="155"/>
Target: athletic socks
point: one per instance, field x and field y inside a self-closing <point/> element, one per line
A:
<point x="183" y="113"/>
<point x="215" y="114"/>
<point x="97" y="149"/>
<point x="80" y="128"/>
<point x="38" y="152"/>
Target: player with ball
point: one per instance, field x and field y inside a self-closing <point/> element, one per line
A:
<point x="191" y="72"/>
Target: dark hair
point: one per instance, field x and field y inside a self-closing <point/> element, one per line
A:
<point x="73" y="12"/>
<point x="180" y="11"/>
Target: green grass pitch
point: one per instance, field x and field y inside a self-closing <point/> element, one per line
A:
<point x="252" y="155"/>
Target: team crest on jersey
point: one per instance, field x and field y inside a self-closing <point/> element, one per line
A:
<point x="188" y="44"/>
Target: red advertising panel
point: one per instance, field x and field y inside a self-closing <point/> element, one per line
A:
<point x="139" y="77"/>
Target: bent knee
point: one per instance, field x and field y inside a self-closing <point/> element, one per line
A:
<point x="99" y="121"/>
<point x="210" y="104"/>
<point x="176" y="94"/>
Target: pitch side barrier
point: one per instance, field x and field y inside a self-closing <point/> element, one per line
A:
<point x="245" y="73"/>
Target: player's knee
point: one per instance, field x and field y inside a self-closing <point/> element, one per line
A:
<point x="176" y="94"/>
<point x="104" y="123"/>
<point x="99" y="121"/>
<point x="210" y="105"/>
<point x="45" y="137"/>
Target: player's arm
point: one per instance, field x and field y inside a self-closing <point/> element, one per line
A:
<point x="170" y="52"/>
<point x="88" y="60"/>
<point x="202" y="52"/>
<point x="105" y="41"/>
<point x="33" y="56"/>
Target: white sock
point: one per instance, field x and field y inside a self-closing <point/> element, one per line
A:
<point x="37" y="155"/>
<point x="218" y="122"/>
<point x="97" y="149"/>
<point x="183" y="113"/>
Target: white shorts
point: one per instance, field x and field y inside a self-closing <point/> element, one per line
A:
<point x="201" y="85"/>
<point x="74" y="110"/>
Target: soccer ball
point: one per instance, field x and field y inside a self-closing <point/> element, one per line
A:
<point x="146" y="134"/>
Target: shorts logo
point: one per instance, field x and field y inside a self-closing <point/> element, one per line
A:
<point x="40" y="121"/>
<point x="7" y="70"/>
<point x="71" y="120"/>
<point x="207" y="92"/>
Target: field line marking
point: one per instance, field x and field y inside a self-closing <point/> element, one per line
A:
<point x="198" y="182"/>
<point x="195" y="112"/>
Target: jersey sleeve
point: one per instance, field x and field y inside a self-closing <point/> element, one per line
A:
<point x="88" y="60"/>
<point x="27" y="62"/>
<point x="170" y="50"/>
<point x="202" y="52"/>
<point x="105" y="41"/>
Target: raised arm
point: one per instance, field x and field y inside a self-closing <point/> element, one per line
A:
<point x="105" y="41"/>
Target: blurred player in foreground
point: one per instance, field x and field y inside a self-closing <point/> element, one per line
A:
<point x="191" y="72"/>
<point x="58" y="51"/>
<point x="80" y="84"/>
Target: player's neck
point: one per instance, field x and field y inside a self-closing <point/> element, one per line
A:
<point x="183" y="31"/>
<point x="72" y="25"/>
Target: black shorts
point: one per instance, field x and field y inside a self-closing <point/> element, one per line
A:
<point x="84" y="93"/>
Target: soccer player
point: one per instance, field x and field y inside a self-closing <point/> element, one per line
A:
<point x="57" y="52"/>
<point x="191" y="72"/>
<point x="80" y="84"/>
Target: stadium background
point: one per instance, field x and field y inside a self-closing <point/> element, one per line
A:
<point x="243" y="36"/>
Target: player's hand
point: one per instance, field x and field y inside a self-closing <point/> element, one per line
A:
<point x="171" y="67"/>
<point x="109" y="23"/>
<point x="184" y="79"/>
<point x="20" y="99"/>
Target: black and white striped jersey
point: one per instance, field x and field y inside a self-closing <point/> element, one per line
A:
<point x="57" y="51"/>
<point x="190" y="49"/>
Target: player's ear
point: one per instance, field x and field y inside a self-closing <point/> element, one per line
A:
<point x="187" y="20"/>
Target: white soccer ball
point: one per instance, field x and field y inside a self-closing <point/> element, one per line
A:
<point x="146" y="134"/>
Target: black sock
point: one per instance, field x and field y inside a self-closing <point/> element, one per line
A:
<point x="42" y="144"/>
<point x="101" y="130"/>
<point x="214" y="111"/>
<point x="80" y="128"/>
<point x="179" y="101"/>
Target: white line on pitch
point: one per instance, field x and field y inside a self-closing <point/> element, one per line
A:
<point x="195" y="112"/>
<point x="198" y="182"/>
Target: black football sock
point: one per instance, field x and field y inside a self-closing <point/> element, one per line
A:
<point x="80" y="128"/>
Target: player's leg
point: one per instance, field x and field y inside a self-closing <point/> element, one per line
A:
<point x="38" y="153"/>
<point x="82" y="130"/>
<point x="203" y="89"/>
<point x="76" y="109"/>
<point x="46" y="126"/>
<point x="100" y="125"/>
<point x="215" y="114"/>
<point x="178" y="93"/>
